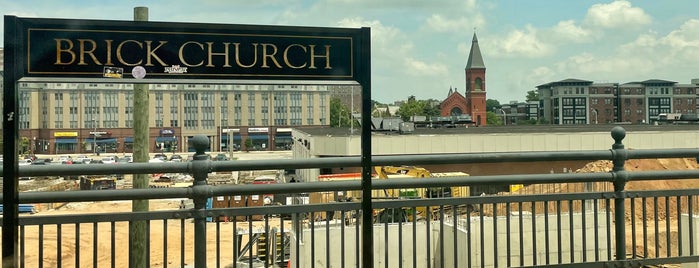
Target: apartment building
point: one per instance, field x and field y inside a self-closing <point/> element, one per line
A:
<point x="63" y="118"/>
<point x="575" y="101"/>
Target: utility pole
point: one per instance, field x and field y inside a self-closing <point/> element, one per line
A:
<point x="137" y="229"/>
<point x="94" y="136"/>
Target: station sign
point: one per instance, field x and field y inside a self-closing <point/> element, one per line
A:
<point x="111" y="49"/>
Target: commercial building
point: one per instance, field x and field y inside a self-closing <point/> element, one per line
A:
<point x="63" y="118"/>
<point x="575" y="101"/>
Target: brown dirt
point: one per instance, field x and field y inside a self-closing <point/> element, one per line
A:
<point x="158" y="249"/>
<point x="157" y="245"/>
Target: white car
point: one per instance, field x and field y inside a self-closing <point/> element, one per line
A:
<point x="82" y="158"/>
<point x="109" y="160"/>
<point x="63" y="159"/>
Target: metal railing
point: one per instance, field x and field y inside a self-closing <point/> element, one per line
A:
<point x="586" y="228"/>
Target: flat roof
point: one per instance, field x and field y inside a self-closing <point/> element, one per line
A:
<point x="345" y="131"/>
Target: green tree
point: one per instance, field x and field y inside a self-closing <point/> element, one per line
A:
<point x="490" y="104"/>
<point x="492" y="119"/>
<point x="416" y="107"/>
<point x="532" y="95"/>
<point x="527" y="122"/>
<point x="24" y="145"/>
<point x="339" y="113"/>
<point x="248" y="144"/>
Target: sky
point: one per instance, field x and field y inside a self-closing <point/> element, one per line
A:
<point x="420" y="47"/>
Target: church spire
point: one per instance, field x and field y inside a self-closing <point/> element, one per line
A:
<point x="475" y="60"/>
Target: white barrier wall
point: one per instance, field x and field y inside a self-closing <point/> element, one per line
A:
<point x="387" y="246"/>
<point x="685" y="238"/>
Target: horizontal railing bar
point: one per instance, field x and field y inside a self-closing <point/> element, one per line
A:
<point x="244" y="165"/>
<point x="493" y="157"/>
<point x="103" y="195"/>
<point x="104" y="217"/>
<point x="627" y="263"/>
<point x="663" y="153"/>
<point x="492" y="199"/>
<point x="184" y="214"/>
<point x="659" y="193"/>
<point x="493" y="180"/>
<point x="663" y="175"/>
<point x="220" y="190"/>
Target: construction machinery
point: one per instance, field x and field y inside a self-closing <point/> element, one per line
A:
<point x="389" y="172"/>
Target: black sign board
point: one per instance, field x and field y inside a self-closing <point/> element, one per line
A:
<point x="83" y="48"/>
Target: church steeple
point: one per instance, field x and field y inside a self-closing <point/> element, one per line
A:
<point x="475" y="84"/>
<point x="475" y="60"/>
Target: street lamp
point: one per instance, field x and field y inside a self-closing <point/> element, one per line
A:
<point x="504" y="116"/>
<point x="594" y="111"/>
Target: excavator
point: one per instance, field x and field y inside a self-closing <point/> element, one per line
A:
<point x="406" y="214"/>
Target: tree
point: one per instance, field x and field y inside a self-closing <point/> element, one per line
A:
<point x="248" y="144"/>
<point x="532" y="95"/>
<point x="415" y="107"/>
<point x="527" y="122"/>
<point x="492" y="119"/>
<point x="24" y="145"/>
<point x="339" y="113"/>
<point x="490" y="104"/>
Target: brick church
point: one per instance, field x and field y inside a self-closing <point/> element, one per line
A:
<point x="472" y="102"/>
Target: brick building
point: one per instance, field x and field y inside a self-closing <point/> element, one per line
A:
<point x="575" y="101"/>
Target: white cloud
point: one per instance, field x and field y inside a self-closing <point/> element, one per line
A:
<point x="421" y="68"/>
<point x="649" y="55"/>
<point x="617" y="14"/>
<point x="439" y="23"/>
<point x="687" y="36"/>
<point x="522" y="43"/>
<point x="568" y="30"/>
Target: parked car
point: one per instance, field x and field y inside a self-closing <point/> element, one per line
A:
<point x="110" y="159"/>
<point x="175" y="158"/>
<point x="81" y="158"/>
<point x="65" y="159"/>
<point x="221" y="157"/>
<point x="160" y="156"/>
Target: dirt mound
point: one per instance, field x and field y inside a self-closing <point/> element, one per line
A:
<point x="660" y="207"/>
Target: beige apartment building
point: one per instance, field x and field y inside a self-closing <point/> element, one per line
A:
<point x="66" y="118"/>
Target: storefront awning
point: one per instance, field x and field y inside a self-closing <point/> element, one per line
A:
<point x="165" y="139"/>
<point x="128" y="140"/>
<point x="66" y="141"/>
<point x="259" y="137"/>
<point x="101" y="141"/>
<point x="235" y="137"/>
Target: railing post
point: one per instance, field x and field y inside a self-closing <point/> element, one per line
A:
<point x="619" y="156"/>
<point x="200" y="169"/>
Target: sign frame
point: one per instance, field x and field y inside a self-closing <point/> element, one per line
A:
<point x="19" y="56"/>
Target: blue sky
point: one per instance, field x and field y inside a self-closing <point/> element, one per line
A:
<point x="420" y="47"/>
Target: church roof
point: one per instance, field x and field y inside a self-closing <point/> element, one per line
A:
<point x="475" y="59"/>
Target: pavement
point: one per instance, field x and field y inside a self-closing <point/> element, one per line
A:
<point x="240" y="155"/>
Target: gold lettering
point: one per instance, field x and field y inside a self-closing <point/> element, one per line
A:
<point x="211" y="54"/>
<point x="181" y="54"/>
<point x="151" y="53"/>
<point x="271" y="56"/>
<point x="90" y="52"/>
<point x="237" y="56"/>
<point x="120" y="57"/>
<point x="109" y="52"/>
<point x="286" y="56"/>
<point x="60" y="51"/>
<point x="326" y="56"/>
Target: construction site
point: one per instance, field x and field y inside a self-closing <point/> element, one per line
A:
<point x="658" y="217"/>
